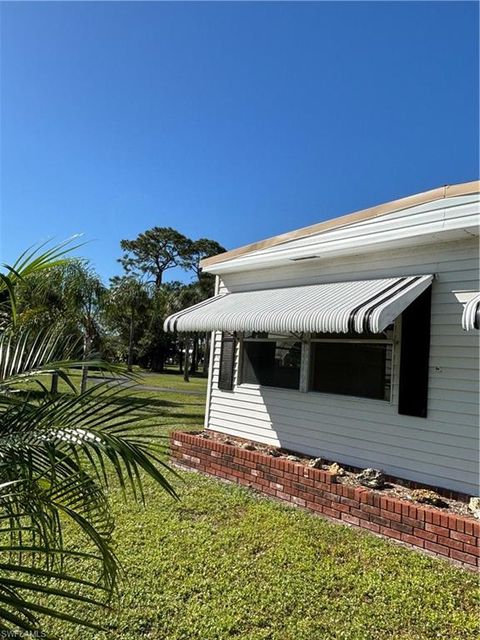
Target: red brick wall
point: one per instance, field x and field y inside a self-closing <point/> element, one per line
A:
<point x="451" y="536"/>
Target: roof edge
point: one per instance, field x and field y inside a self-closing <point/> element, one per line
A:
<point x="447" y="191"/>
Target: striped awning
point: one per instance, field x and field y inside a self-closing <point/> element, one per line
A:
<point x="471" y="313"/>
<point x="334" y="307"/>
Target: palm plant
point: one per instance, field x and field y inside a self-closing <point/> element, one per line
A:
<point x="55" y="455"/>
<point x="70" y="294"/>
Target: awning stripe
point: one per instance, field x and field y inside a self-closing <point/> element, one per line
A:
<point x="335" y="307"/>
<point x="471" y="314"/>
<point x="402" y="285"/>
<point x="374" y="299"/>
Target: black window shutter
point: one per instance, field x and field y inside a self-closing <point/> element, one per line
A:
<point x="227" y="362"/>
<point x="414" y="357"/>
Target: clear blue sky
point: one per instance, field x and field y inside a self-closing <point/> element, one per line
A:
<point x="234" y="121"/>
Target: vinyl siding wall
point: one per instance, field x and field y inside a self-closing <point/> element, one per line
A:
<point x="441" y="450"/>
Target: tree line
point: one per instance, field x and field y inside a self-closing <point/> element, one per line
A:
<point x="123" y="321"/>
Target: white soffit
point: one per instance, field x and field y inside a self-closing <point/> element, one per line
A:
<point x="336" y="307"/>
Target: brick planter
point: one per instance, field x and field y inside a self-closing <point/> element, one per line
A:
<point x="427" y="528"/>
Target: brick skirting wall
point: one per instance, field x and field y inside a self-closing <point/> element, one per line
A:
<point x="426" y="528"/>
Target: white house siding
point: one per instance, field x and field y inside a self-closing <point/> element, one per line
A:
<point x="441" y="450"/>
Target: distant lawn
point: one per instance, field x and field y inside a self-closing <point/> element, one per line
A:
<point x="171" y="379"/>
<point x="224" y="563"/>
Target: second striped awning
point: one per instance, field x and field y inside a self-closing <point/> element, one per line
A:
<point x="336" y="307"/>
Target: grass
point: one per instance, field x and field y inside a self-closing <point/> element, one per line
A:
<point x="223" y="563"/>
<point x="168" y="379"/>
<point x="171" y="379"/>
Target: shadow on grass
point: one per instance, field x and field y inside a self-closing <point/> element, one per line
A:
<point x="174" y="373"/>
<point x="38" y="394"/>
<point x="146" y="407"/>
<point x="143" y="402"/>
<point x="188" y="416"/>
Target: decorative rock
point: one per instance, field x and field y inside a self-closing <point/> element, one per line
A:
<point x="474" y="506"/>
<point x="230" y="442"/>
<point x="293" y="458"/>
<point x="248" y="446"/>
<point x="273" y="452"/>
<point x="315" y="463"/>
<point x="372" y="478"/>
<point x="336" y="469"/>
<point x="206" y="435"/>
<point x="428" y="497"/>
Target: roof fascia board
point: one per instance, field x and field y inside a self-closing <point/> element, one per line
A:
<point x="433" y="217"/>
<point x="444" y="224"/>
<point x="447" y="191"/>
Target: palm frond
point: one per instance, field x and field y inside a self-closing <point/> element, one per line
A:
<point x="58" y="454"/>
<point x="26" y="354"/>
<point x="31" y="261"/>
<point x="55" y="457"/>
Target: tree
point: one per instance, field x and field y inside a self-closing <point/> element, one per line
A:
<point x="84" y="296"/>
<point x="201" y="249"/>
<point x="127" y="305"/>
<point x="155" y="251"/>
<point x="31" y="285"/>
<point x="151" y="254"/>
<point x="156" y="345"/>
<point x="43" y="300"/>
<point x="55" y="453"/>
<point x="189" y="295"/>
<point x="69" y="294"/>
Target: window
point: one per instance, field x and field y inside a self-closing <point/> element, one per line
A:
<point x="273" y="362"/>
<point x="353" y="366"/>
<point x="347" y="364"/>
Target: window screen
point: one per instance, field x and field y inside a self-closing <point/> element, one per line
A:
<point x="272" y="363"/>
<point x="356" y="368"/>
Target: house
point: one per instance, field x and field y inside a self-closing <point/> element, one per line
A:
<point x="355" y="339"/>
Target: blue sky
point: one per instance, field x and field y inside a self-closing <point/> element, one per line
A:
<point x="234" y="121"/>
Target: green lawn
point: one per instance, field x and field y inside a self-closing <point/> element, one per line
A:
<point x="169" y="379"/>
<point x="172" y="380"/>
<point x="224" y="563"/>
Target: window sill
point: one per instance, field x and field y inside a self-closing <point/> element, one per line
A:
<point x="328" y="396"/>
<point x="348" y="397"/>
<point x="258" y="387"/>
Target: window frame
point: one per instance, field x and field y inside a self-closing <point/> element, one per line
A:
<point x="278" y="337"/>
<point x="392" y="342"/>
<point x="306" y="362"/>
